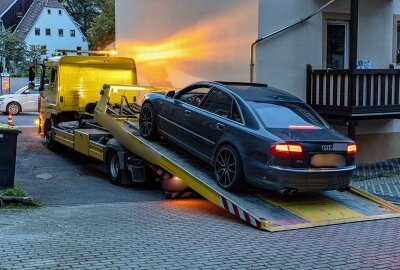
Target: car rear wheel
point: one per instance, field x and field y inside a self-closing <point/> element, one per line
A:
<point x="113" y="168"/>
<point x="228" y="169"/>
<point x="147" y="122"/>
<point x="13" y="108"/>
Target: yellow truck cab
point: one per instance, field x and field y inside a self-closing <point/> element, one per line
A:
<point x="71" y="85"/>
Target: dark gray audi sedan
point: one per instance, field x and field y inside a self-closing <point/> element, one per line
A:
<point x="252" y="134"/>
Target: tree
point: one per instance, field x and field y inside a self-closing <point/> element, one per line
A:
<point x="12" y="50"/>
<point x="83" y="11"/>
<point x="36" y="54"/>
<point x="102" y="32"/>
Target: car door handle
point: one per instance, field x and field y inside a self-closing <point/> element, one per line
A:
<point x="188" y="113"/>
<point x="220" y="126"/>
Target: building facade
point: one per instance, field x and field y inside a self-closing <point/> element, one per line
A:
<point x="46" y="23"/>
<point x="186" y="41"/>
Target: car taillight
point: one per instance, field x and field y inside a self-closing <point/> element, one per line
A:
<point x="286" y="150"/>
<point x="351" y="149"/>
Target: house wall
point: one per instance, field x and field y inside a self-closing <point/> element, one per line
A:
<point x="176" y="42"/>
<point x="282" y="60"/>
<point x="54" y="21"/>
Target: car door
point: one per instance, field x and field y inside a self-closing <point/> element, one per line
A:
<point x="175" y="114"/>
<point x="211" y="121"/>
<point x="31" y="103"/>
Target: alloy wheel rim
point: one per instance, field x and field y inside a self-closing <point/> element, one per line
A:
<point x="225" y="167"/>
<point x="145" y="121"/>
<point x="13" y="108"/>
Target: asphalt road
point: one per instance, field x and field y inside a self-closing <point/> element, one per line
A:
<point x="21" y="120"/>
<point x="87" y="223"/>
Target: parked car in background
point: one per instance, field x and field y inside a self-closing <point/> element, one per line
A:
<point x="23" y="100"/>
<point x="252" y="134"/>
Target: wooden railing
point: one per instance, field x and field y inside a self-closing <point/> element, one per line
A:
<point x="354" y="92"/>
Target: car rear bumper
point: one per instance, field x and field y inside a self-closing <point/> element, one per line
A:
<point x="306" y="180"/>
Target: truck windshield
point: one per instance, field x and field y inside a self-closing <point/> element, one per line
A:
<point x="288" y="116"/>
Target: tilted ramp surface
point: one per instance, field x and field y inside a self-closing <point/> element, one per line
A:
<point x="265" y="210"/>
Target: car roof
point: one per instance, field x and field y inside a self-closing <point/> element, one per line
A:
<point x="257" y="92"/>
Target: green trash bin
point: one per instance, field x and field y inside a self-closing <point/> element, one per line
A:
<point x="8" y="150"/>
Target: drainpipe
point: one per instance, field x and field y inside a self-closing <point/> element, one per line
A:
<point x="302" y="20"/>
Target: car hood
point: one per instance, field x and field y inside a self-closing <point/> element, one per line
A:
<point x="320" y="135"/>
<point x="9" y="96"/>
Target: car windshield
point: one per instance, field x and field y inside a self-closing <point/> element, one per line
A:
<point x="21" y="90"/>
<point x="288" y="116"/>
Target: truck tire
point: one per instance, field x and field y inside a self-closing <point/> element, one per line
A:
<point x="50" y="142"/>
<point x="113" y="168"/>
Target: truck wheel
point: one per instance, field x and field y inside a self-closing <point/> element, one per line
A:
<point x="147" y="122"/>
<point x="13" y="108"/>
<point x="50" y="142"/>
<point x="113" y="169"/>
<point x="228" y="169"/>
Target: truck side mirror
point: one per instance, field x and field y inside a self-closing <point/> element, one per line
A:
<point x="170" y="94"/>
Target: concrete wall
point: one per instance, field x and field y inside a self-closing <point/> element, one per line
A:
<point x="176" y="42"/>
<point x="54" y="21"/>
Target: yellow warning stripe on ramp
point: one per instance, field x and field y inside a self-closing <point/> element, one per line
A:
<point x="311" y="207"/>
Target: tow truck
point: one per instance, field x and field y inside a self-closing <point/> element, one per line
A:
<point x="108" y="130"/>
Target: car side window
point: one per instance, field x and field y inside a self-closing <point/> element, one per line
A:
<point x="219" y="103"/>
<point x="194" y="96"/>
<point x="235" y="116"/>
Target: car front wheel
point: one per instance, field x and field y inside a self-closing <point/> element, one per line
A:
<point x="228" y="169"/>
<point x="147" y="122"/>
<point x="13" y="108"/>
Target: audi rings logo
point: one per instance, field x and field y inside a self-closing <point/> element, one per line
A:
<point x="327" y="147"/>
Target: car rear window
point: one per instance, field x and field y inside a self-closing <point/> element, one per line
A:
<point x="288" y="115"/>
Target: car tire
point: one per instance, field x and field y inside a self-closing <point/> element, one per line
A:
<point x="147" y="122"/>
<point x="228" y="169"/>
<point x="113" y="168"/>
<point x="14" y="108"/>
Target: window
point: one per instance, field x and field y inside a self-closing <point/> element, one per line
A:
<point x="53" y="77"/>
<point x="396" y="39"/>
<point x="336" y="44"/>
<point x="194" y="96"/>
<point x="60" y="32"/>
<point x="49" y="11"/>
<point x="284" y="115"/>
<point x="48" y="32"/>
<point x="235" y="116"/>
<point x="219" y="103"/>
<point x="78" y="49"/>
<point x="37" y="31"/>
<point x="59" y="12"/>
<point x="72" y="32"/>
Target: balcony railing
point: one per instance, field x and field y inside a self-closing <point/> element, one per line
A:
<point x="354" y="93"/>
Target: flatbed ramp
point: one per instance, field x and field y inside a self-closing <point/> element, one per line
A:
<point x="265" y="210"/>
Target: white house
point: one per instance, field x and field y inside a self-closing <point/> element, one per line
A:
<point x="47" y="23"/>
<point x="190" y="40"/>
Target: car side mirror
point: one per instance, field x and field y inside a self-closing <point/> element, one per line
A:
<point x="170" y="94"/>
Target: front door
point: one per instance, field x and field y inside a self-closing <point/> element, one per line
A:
<point x="337" y="44"/>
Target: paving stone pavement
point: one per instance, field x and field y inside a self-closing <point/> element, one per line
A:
<point x="387" y="188"/>
<point x="183" y="234"/>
